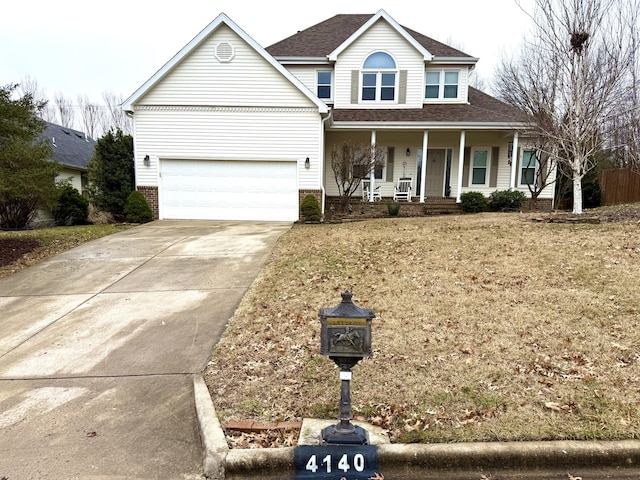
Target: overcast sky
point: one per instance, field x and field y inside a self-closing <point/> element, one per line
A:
<point x="86" y="47"/>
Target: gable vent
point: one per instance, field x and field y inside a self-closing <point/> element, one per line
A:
<point x="224" y="52"/>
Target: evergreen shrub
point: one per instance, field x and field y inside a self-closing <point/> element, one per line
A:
<point x="137" y="209"/>
<point x="70" y="208"/>
<point x="473" y="202"/>
<point x="506" y="200"/>
<point x="310" y="209"/>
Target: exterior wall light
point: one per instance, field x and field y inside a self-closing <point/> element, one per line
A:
<point x="307" y="163"/>
<point x="147" y="161"/>
<point x="408" y="152"/>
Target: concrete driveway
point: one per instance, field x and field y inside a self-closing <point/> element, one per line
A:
<point x="98" y="347"/>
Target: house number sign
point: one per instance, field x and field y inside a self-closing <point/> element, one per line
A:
<point x="336" y="462"/>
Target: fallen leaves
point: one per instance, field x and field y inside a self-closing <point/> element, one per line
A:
<point x="266" y="439"/>
<point x="558" y="407"/>
<point x="469" y="348"/>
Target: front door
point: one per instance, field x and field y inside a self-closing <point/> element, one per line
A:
<point x="434" y="186"/>
<point x="435" y="173"/>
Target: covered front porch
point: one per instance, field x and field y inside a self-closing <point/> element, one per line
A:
<point x="456" y="161"/>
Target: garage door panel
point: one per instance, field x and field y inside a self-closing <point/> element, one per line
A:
<point x="229" y="190"/>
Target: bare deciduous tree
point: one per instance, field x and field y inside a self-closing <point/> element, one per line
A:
<point x="115" y="118"/>
<point x="64" y="109"/>
<point x="351" y="162"/>
<point x="571" y="77"/>
<point x="91" y="116"/>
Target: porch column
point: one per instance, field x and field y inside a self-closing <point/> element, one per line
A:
<point x="372" y="172"/>
<point x="514" y="162"/>
<point x="423" y="170"/>
<point x="463" y="134"/>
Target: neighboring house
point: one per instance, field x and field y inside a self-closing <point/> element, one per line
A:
<point x="230" y="130"/>
<point x="72" y="150"/>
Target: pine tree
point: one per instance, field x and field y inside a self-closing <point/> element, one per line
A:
<point x="27" y="177"/>
<point x="111" y="172"/>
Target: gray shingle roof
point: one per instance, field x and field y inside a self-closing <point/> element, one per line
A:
<point x="323" y="38"/>
<point x="482" y="108"/>
<point x="71" y="148"/>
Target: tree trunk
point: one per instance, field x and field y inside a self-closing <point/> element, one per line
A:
<point x="577" y="193"/>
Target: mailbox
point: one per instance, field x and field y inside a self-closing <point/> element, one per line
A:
<point x="345" y="337"/>
<point x="346" y="330"/>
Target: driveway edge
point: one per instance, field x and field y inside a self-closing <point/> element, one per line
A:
<point x="459" y="460"/>
<point x="214" y="442"/>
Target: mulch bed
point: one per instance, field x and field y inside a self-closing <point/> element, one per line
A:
<point x="12" y="249"/>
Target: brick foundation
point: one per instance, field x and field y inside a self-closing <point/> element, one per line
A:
<point x="151" y="195"/>
<point x="365" y="209"/>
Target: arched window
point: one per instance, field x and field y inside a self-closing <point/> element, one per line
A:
<point x="379" y="78"/>
<point x="380" y="60"/>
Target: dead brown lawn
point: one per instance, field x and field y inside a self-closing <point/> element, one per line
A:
<point x="488" y="327"/>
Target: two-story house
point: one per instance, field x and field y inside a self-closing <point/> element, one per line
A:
<point x="230" y="130"/>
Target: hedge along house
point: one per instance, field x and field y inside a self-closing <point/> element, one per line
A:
<point x="230" y="130"/>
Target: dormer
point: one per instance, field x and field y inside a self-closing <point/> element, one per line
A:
<point x="370" y="61"/>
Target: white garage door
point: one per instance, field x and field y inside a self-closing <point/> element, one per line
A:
<point x="229" y="190"/>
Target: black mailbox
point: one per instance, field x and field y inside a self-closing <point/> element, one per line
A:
<point x="346" y="330"/>
<point x="345" y="337"/>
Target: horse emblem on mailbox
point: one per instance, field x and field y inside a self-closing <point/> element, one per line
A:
<point x="346" y="329"/>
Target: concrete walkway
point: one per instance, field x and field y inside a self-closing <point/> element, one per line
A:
<point x="99" y="347"/>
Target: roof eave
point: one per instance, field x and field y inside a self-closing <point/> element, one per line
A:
<point x="293" y="60"/>
<point x="455" y="60"/>
<point x="368" y="125"/>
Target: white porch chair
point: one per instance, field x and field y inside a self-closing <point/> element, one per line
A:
<point x="366" y="188"/>
<point x="402" y="190"/>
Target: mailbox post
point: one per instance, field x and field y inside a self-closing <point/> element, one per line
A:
<point x="345" y="337"/>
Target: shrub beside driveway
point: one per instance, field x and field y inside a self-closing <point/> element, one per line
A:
<point x="488" y="327"/>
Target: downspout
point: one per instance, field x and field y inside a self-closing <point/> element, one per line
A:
<point x="321" y="157"/>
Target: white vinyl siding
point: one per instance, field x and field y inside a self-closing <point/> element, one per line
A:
<point x="306" y="74"/>
<point x="406" y="57"/>
<point x="227" y="134"/>
<point x="248" y="79"/>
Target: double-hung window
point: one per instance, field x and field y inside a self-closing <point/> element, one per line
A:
<point x="379" y="78"/>
<point x="362" y="165"/>
<point x="323" y="81"/>
<point x="479" y="167"/>
<point x="528" y="167"/>
<point x="442" y="84"/>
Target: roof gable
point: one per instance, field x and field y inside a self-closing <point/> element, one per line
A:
<point x="322" y="39"/>
<point x="381" y="15"/>
<point x="222" y="19"/>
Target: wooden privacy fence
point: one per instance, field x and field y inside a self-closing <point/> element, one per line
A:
<point x="620" y="186"/>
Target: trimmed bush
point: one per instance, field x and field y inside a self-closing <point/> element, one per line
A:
<point x="506" y="200"/>
<point x="71" y="208"/>
<point x="473" y="202"/>
<point x="393" y="208"/>
<point x="310" y="209"/>
<point x="137" y="209"/>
